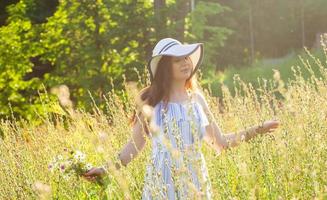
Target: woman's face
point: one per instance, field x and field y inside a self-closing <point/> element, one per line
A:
<point x="182" y="67"/>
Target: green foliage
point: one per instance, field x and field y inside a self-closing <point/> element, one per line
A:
<point x="90" y="45"/>
<point x="200" y="30"/>
<point x="17" y="46"/>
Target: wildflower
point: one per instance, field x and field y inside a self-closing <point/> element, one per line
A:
<point x="276" y="75"/>
<point x="242" y="138"/>
<point x="62" y="168"/>
<point x="100" y="149"/>
<point x="66" y="177"/>
<point x="70" y="164"/>
<point x="154" y="127"/>
<point x="79" y="156"/>
<point x="43" y="190"/>
<point x="147" y="111"/>
<point x="88" y="167"/>
<point x="59" y="157"/>
<point x="103" y="136"/>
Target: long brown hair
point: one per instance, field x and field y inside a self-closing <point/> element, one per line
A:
<point x="160" y="86"/>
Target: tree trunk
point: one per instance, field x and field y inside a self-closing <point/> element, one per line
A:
<point x="302" y="23"/>
<point x="251" y="33"/>
<point x="160" y="18"/>
<point x="183" y="8"/>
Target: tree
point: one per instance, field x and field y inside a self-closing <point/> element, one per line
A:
<point x="189" y="21"/>
<point x="202" y="28"/>
<point x="18" y="96"/>
<point x="160" y="18"/>
<point x="93" y="44"/>
<point x="275" y="29"/>
<point x="90" y="45"/>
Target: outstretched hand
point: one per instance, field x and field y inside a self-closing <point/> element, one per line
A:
<point x="269" y="126"/>
<point x="94" y="173"/>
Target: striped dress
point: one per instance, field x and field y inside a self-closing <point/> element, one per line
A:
<point x="177" y="169"/>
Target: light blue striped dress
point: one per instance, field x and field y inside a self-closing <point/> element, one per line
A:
<point x="177" y="169"/>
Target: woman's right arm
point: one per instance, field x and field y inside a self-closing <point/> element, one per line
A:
<point x="136" y="143"/>
<point x="129" y="151"/>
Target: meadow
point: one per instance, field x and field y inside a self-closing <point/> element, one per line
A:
<point x="264" y="68"/>
<point x="290" y="163"/>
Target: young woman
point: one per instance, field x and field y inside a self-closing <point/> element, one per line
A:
<point x="177" y="169"/>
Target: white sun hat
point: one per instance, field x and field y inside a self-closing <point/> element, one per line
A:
<point x="173" y="47"/>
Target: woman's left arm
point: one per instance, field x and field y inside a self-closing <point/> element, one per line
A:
<point x="215" y="137"/>
<point x="233" y="139"/>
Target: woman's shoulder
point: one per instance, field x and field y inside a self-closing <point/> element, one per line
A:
<point x="199" y="97"/>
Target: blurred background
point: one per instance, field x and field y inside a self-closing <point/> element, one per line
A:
<point x="80" y="48"/>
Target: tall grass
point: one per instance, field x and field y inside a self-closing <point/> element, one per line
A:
<point x="288" y="164"/>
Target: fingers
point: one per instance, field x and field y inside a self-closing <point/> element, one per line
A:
<point x="271" y="125"/>
<point x="89" y="173"/>
<point x="273" y="121"/>
<point x="90" y="178"/>
<point x="271" y="130"/>
<point x="274" y="126"/>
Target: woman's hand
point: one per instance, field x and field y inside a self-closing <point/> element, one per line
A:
<point x="268" y="126"/>
<point x="94" y="173"/>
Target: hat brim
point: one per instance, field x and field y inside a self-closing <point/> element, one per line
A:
<point x="195" y="51"/>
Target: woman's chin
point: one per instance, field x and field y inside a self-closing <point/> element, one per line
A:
<point x="183" y="76"/>
<point x="186" y="77"/>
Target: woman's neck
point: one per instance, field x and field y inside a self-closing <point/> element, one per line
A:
<point x="178" y="92"/>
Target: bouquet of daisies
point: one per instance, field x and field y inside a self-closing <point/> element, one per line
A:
<point x="71" y="163"/>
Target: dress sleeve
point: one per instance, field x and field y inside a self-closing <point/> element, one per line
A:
<point x="203" y="117"/>
<point x="203" y="120"/>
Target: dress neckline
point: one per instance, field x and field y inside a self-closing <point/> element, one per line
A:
<point x="185" y="102"/>
<point x="178" y="103"/>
